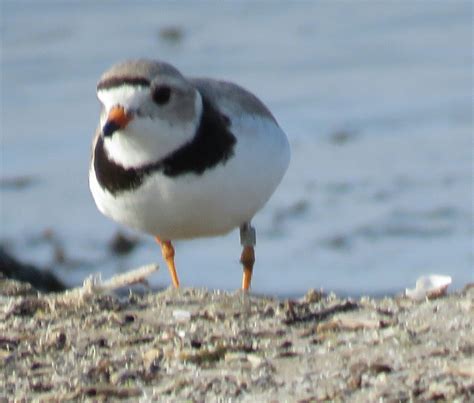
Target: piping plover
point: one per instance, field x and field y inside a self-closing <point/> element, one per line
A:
<point x="180" y="157"/>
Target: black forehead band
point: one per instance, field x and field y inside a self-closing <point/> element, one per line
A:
<point x="114" y="82"/>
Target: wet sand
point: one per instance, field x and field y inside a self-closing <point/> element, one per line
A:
<point x="203" y="345"/>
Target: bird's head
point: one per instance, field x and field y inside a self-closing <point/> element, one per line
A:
<point x="149" y="110"/>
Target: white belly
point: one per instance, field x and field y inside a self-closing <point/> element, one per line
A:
<point x="213" y="203"/>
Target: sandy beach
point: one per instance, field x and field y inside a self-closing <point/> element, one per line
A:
<point x="198" y="345"/>
<point x="376" y="100"/>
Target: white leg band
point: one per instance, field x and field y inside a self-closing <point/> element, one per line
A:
<point x="248" y="236"/>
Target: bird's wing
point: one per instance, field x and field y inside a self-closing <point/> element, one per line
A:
<point x="231" y="99"/>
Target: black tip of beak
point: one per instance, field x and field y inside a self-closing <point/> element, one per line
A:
<point x="110" y="128"/>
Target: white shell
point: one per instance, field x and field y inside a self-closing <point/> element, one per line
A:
<point x="181" y="315"/>
<point x="430" y="286"/>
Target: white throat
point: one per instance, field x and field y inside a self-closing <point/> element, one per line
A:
<point x="147" y="139"/>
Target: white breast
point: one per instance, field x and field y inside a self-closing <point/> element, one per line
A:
<point x="219" y="200"/>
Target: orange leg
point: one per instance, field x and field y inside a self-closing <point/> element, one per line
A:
<point x="167" y="251"/>
<point x="247" y="259"/>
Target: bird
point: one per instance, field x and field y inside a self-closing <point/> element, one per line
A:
<point x="180" y="157"/>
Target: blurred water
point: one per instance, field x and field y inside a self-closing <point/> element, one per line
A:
<point x="375" y="98"/>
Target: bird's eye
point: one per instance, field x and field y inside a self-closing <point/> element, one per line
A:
<point x="161" y="94"/>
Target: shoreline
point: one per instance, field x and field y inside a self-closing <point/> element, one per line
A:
<point x="204" y="345"/>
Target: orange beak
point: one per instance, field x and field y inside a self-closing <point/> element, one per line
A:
<point x="118" y="119"/>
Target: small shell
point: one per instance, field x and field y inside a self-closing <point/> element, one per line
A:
<point x="181" y="315"/>
<point x="431" y="286"/>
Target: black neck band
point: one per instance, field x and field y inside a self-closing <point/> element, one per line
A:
<point x="212" y="144"/>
